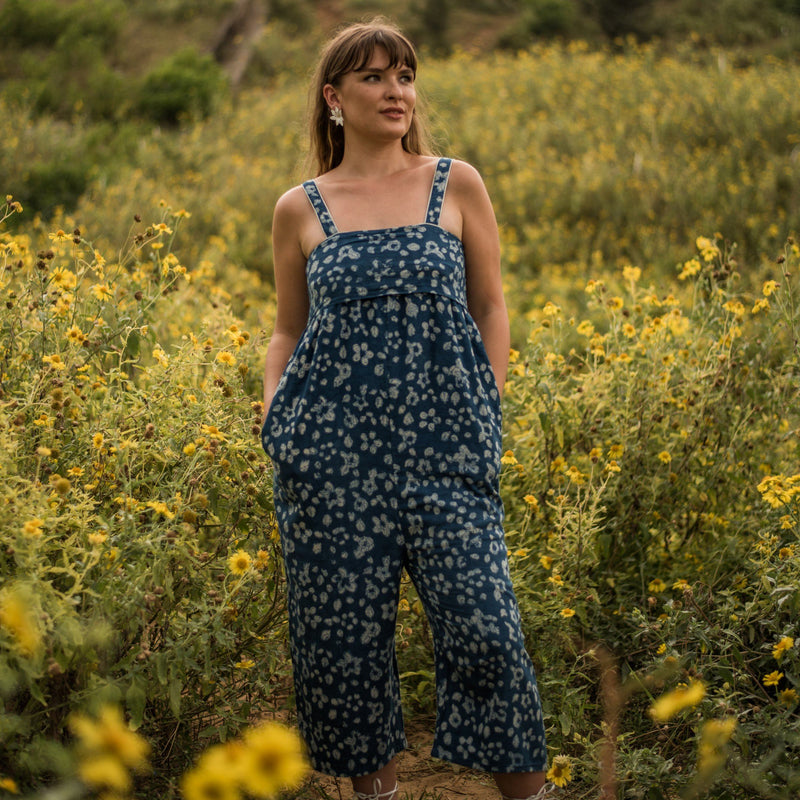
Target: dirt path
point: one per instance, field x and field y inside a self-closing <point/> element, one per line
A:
<point x="420" y="776"/>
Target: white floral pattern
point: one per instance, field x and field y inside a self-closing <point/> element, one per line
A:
<point x="385" y="436"/>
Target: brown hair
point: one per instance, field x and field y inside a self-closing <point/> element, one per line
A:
<point x="350" y="50"/>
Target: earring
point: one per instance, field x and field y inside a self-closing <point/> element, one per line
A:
<point x="336" y="115"/>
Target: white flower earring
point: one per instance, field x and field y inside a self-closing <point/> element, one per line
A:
<point x="337" y="116"/>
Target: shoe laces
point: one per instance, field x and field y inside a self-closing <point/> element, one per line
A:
<point x="376" y="792"/>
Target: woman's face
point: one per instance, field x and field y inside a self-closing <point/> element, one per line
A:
<point x="377" y="100"/>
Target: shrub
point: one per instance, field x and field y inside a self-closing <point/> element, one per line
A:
<point x="186" y="85"/>
<point x="653" y="507"/>
<point x="45" y="22"/>
<point x="140" y="564"/>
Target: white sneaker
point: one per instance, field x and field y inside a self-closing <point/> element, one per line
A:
<point x="376" y="792"/>
<point x="546" y="791"/>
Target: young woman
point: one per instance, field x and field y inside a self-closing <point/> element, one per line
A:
<point x="382" y="396"/>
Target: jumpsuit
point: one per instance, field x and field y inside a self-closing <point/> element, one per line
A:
<point x="385" y="438"/>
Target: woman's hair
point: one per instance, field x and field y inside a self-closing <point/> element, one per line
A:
<point x="350" y="50"/>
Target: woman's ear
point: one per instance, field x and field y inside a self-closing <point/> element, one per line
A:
<point x="331" y="95"/>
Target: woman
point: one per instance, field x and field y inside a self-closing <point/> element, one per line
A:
<point x="382" y="384"/>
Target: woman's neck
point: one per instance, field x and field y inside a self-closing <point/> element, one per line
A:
<point x="363" y="160"/>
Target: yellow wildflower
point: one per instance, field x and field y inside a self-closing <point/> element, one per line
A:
<point x="714" y="737"/>
<point x="160" y="356"/>
<point x="691" y="267"/>
<point x="769" y="288"/>
<point x="657" y="586"/>
<point x="246" y="663"/>
<point x="551" y="309"/>
<point x="772" y="679"/>
<point x="708" y="250"/>
<point x="104" y="771"/>
<point x="576" y="476"/>
<point x="239" y="562"/>
<point x="664" y="457"/>
<point x="560" y="772"/>
<point x="786" y="643"/>
<point x="210" y="780"/>
<point x="18" y="618"/>
<point x="508" y="458"/>
<point x="97" y="441"/>
<point x="567" y="612"/>
<point x="668" y="705"/>
<point x="54" y="361"/>
<point x="65" y="279"/>
<point x="631" y="274"/>
<point x="273" y="760"/>
<point x="788" y="697"/>
<point x="33" y="528"/>
<point x="162" y="508"/>
<point x="546" y="562"/>
<point x="226" y="358"/>
<point x="102" y="291"/>
<point x="109" y="734"/>
<point x="9" y="785"/>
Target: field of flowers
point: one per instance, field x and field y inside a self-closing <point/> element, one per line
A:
<point x="652" y="482"/>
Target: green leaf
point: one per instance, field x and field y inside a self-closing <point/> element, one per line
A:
<point x="135" y="699"/>
<point x="175" y="689"/>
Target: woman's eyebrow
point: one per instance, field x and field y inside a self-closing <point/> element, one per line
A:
<point x="400" y="68"/>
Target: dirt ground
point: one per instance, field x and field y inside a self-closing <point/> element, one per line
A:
<point x="420" y="777"/>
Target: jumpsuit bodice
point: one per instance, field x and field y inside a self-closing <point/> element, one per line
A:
<point x="390" y="370"/>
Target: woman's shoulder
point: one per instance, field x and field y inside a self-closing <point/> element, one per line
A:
<point x="464" y="178"/>
<point x="292" y="203"/>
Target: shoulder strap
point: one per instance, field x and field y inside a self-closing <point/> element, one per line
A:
<point x="437" y="190"/>
<point x="321" y="210"/>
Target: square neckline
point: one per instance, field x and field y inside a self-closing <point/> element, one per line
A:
<point x="330" y="228"/>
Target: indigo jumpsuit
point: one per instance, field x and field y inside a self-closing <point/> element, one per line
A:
<point x="385" y="438"/>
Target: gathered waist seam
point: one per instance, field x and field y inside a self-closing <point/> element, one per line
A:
<point x="329" y="302"/>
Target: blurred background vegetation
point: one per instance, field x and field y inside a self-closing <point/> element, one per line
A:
<point x="619" y="139"/>
<point x="87" y="80"/>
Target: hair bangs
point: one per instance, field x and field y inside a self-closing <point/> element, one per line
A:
<point x="362" y="48"/>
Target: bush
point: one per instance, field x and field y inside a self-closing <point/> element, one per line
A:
<point x="187" y="85"/>
<point x="44" y="22"/>
<point x="549" y="17"/>
<point x="32" y="22"/>
<point x="653" y="508"/>
<point x="140" y="564"/>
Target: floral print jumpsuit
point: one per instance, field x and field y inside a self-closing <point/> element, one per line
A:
<point x="385" y="437"/>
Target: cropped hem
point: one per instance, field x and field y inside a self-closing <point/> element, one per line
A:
<point x="396" y="750"/>
<point x="483" y="767"/>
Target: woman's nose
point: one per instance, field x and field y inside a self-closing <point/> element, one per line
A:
<point x="394" y="88"/>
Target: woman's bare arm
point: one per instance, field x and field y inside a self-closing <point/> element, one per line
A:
<point x="481" y="241"/>
<point x="289" y="262"/>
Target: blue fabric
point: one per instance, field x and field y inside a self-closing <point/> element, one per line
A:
<point x="385" y="437"/>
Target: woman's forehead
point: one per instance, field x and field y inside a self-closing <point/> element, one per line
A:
<point x="380" y="59"/>
<point x="380" y="55"/>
